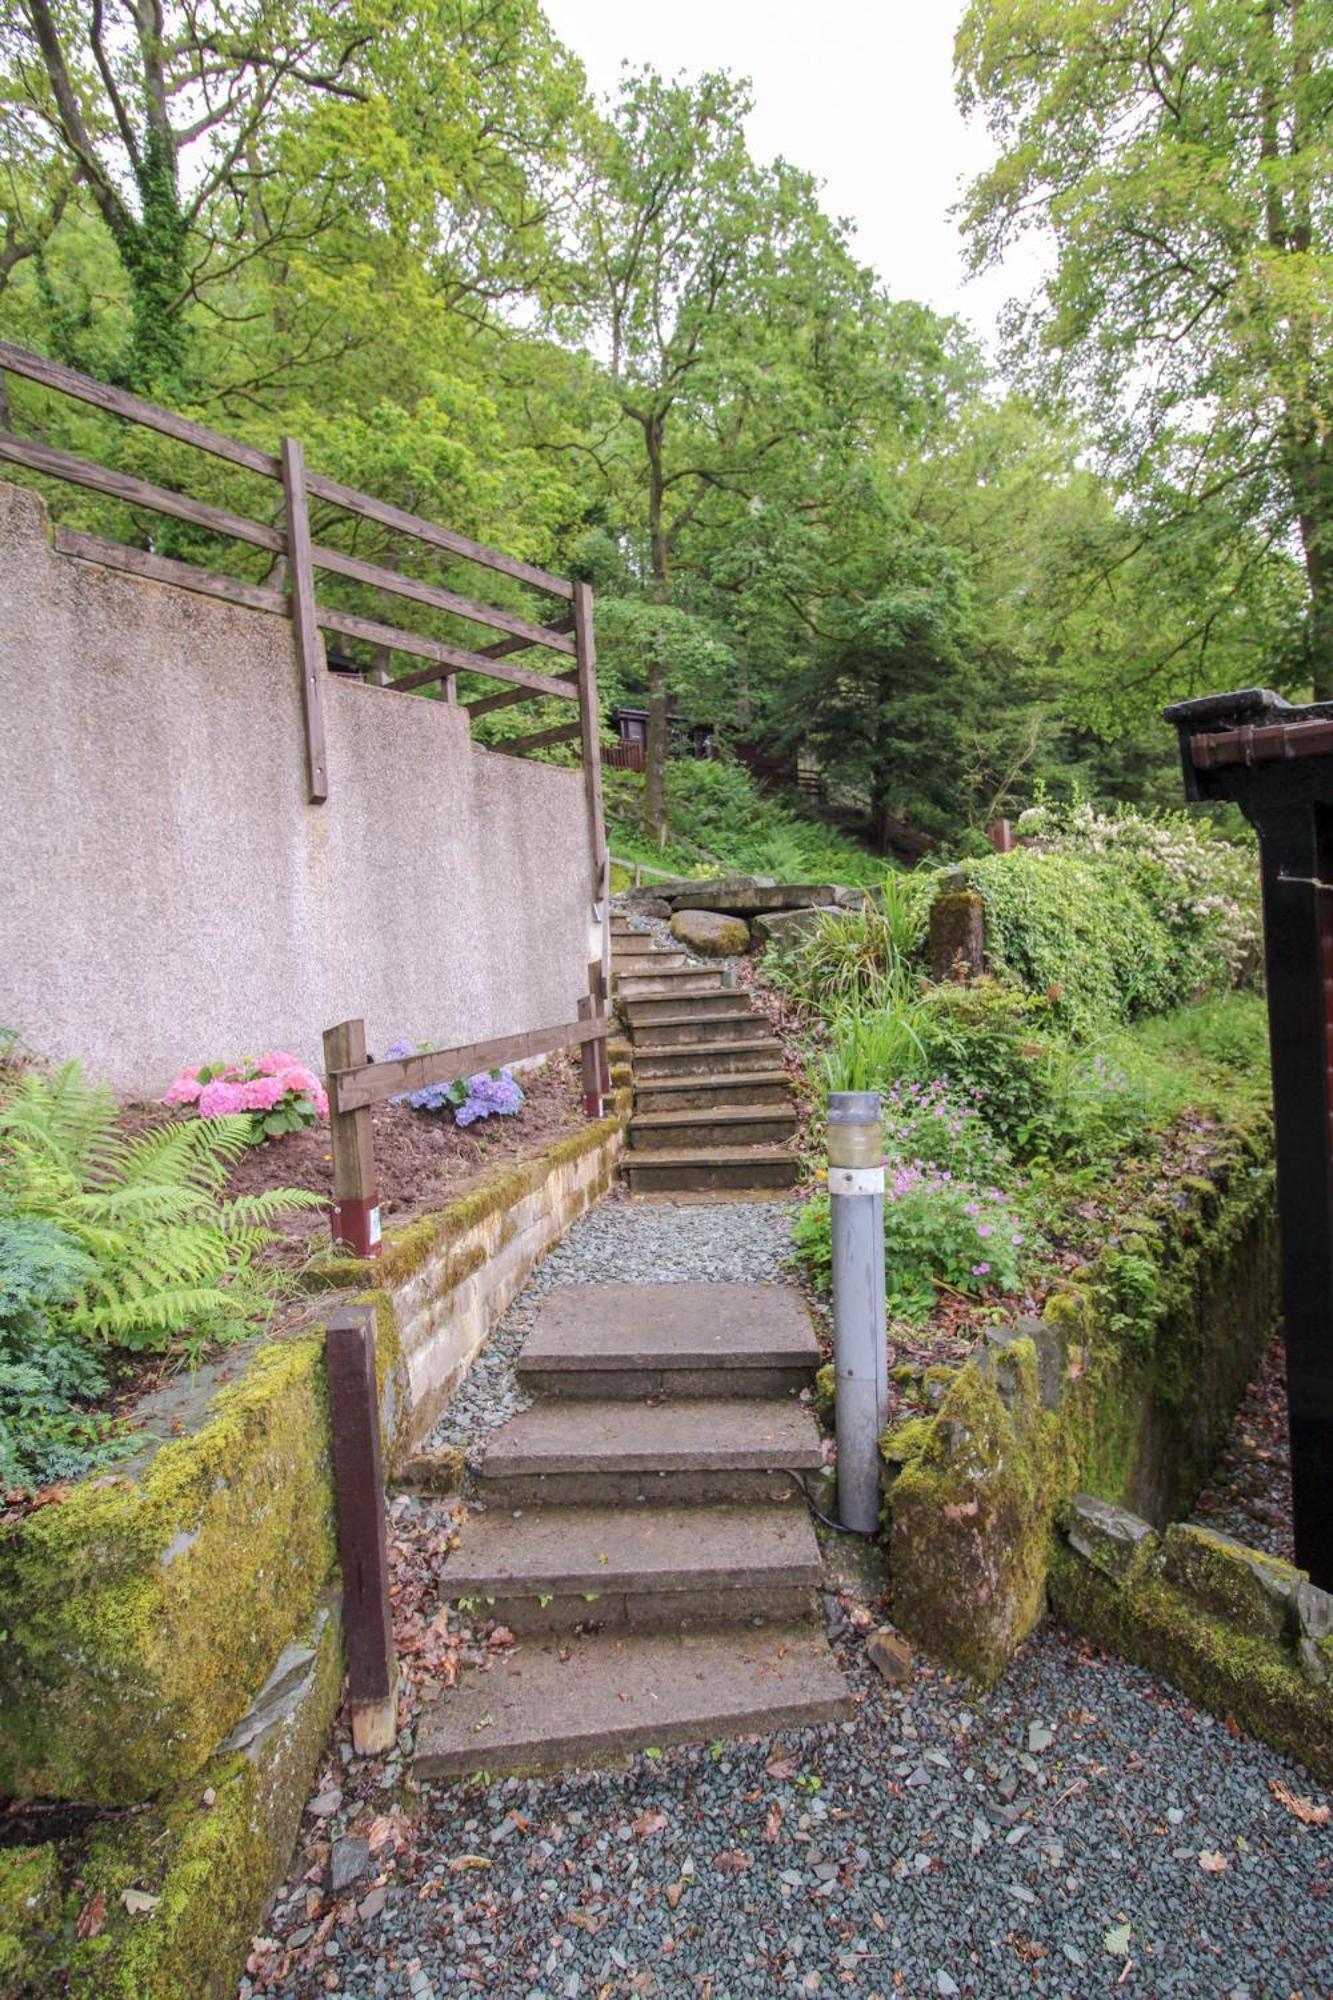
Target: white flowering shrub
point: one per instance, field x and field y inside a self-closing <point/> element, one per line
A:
<point x="1116" y="915"/>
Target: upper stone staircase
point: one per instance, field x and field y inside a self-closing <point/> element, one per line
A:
<point x="712" y="1102"/>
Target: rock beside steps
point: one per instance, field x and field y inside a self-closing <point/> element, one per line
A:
<point x="713" y="1106"/>
<point x="643" y="1536"/>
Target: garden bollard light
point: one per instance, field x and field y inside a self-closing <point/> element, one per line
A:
<point x="860" y="1348"/>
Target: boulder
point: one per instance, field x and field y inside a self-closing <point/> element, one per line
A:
<point x="710" y="933"/>
<point x="751" y="898"/>
<point x="892" y="1654"/>
<point x="787" y="927"/>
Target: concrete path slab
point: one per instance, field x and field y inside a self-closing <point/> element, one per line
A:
<point x="576" y="1549"/>
<point x="554" y="1703"/>
<point x="695" y="1436"/>
<point x="680" y="1326"/>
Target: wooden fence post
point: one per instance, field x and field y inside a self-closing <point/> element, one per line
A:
<point x="597" y="990"/>
<point x="590" y="1061"/>
<point x="355" y="1218"/>
<point x="585" y="655"/>
<point x="363" y="1550"/>
<point x="305" y="628"/>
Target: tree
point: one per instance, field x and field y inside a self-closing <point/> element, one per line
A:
<point x="715" y="289"/>
<point x="209" y="134"/>
<point x="1177" y="153"/>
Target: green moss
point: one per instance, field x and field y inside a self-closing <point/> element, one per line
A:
<point x="1233" y="1673"/>
<point x="212" y="1853"/>
<point x="141" y="1613"/>
<point x="826" y="1390"/>
<point x="971" y="1511"/>
<point x="29" y="1911"/>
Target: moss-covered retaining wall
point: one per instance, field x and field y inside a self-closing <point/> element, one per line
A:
<point x="1122" y="1389"/>
<point x="1245" y="1634"/>
<point x="144" y="1609"/>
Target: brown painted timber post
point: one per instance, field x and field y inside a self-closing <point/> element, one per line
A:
<point x="305" y="625"/>
<point x="585" y="659"/>
<point x="355" y="1218"/>
<point x="590" y="1057"/>
<point x="363" y="1552"/>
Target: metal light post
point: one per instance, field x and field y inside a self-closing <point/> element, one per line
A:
<point x="860" y="1349"/>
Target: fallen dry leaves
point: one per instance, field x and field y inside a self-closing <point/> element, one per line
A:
<point x="1303" y="1809"/>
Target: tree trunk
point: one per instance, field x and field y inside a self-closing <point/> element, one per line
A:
<point x="1311" y="474"/>
<point x="655" y="750"/>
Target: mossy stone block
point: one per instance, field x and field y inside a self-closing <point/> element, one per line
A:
<point x="957" y="935"/>
<point x="142" y="1612"/>
<point x="1112" y="1539"/>
<point x="214" y="1850"/>
<point x="29" y="1913"/>
<point x="1252" y="1591"/>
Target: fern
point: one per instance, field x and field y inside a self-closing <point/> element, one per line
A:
<point x="166" y="1254"/>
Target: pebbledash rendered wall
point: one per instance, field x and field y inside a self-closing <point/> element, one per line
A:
<point x="167" y="893"/>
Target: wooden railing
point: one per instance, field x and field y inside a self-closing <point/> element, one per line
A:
<point x="355" y="1083"/>
<point x="287" y="538"/>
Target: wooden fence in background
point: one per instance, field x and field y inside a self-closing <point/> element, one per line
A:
<point x="297" y="559"/>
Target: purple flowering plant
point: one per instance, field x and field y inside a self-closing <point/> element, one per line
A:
<point x="490" y="1094"/>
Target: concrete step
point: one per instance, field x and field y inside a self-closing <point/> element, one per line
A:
<point x="685" y="1006"/>
<point x="716" y="1057"/>
<point x="640" y="1569"/>
<point x="705" y="1092"/>
<point x="605" y="1454"/>
<point x="685" y="984"/>
<point x="620" y="1341"/>
<point x="626" y="964"/>
<point x="716" y="1018"/>
<point x="553" y="1703"/>
<point x="697" y="1170"/>
<point x="736" y="1125"/>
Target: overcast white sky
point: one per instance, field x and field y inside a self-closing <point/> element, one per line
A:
<point x="859" y="92"/>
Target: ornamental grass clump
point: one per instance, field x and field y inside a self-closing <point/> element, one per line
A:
<point x="490" y="1094"/>
<point x="275" y="1092"/>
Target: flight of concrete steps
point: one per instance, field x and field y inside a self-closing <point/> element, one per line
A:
<point x="712" y="1102"/>
<point x="643" y="1536"/>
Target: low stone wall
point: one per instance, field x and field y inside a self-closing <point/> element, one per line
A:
<point x="1241" y="1632"/>
<point x="1122" y="1389"/>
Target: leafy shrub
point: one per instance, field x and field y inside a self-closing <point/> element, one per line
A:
<point x="164" y="1254"/>
<point x="46" y="1376"/>
<point x="277" y="1093"/>
<point x="491" y="1094"/>
<point x="938" y="1231"/>
<point x="937" y="1126"/>
<point x="1116" y="916"/>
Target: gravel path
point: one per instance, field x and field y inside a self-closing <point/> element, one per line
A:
<point x="923" y="1849"/>
<point x="1249" y="1494"/>
<point x="1081" y="1829"/>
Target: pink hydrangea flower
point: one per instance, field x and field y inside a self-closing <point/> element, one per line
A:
<point x="221" y="1098"/>
<point x="262" y="1093"/>
<point x="186" y="1088"/>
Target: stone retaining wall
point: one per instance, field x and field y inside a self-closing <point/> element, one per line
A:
<point x="1245" y="1634"/>
<point x="144" y="1610"/>
<point x="1123" y="1389"/>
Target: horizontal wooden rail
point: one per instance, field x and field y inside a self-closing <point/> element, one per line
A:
<point x="375" y="1083"/>
<point x="440" y="600"/>
<point x="36" y="368"/>
<point x="456" y="658"/>
<point x="163" y="569"/>
<point x="422" y="530"/>
<point x="490" y="702"/>
<point x="136" y="492"/>
<point x="642" y="868"/>
<point x="540" y="739"/>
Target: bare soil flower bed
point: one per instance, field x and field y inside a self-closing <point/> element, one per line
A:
<point x="422" y="1159"/>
